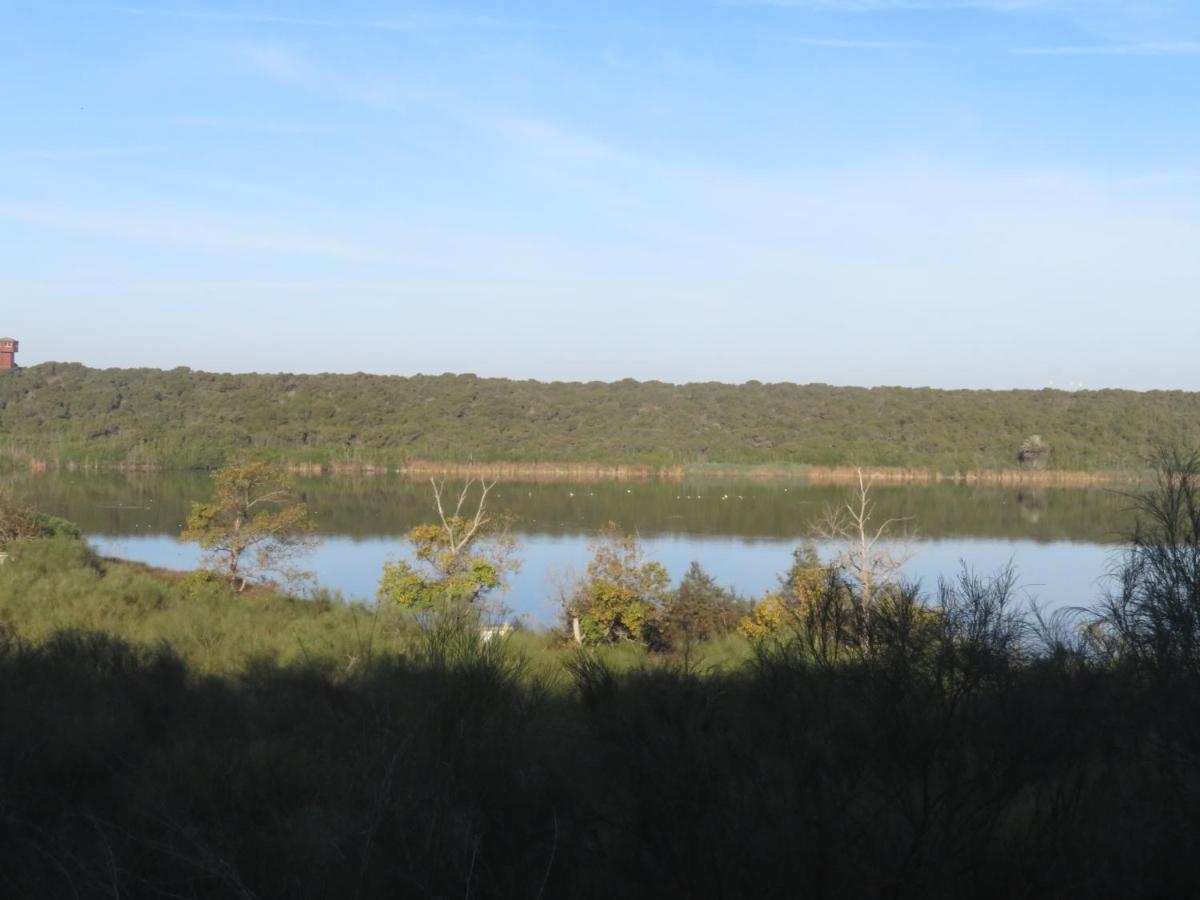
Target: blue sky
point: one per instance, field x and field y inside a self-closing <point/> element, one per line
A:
<point x="958" y="193"/>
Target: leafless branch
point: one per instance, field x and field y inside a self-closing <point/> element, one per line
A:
<point x="457" y="541"/>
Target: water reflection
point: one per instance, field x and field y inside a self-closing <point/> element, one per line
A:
<point x="386" y="506"/>
<point x="1060" y="539"/>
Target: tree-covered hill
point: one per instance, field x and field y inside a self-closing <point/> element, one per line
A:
<point x="63" y="413"/>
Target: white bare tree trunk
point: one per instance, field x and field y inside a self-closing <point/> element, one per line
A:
<point x="859" y="547"/>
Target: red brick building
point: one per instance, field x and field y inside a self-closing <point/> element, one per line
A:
<point x="8" y="353"/>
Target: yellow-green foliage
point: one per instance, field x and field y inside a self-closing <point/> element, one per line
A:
<point x="780" y="611"/>
<point x="446" y="575"/>
<point x="250" y="527"/>
<point x="20" y="521"/>
<point x="58" y="584"/>
<point x="768" y="616"/>
<point x="622" y="595"/>
<point x="17" y="520"/>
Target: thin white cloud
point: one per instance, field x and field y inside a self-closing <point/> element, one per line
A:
<point x="236" y="237"/>
<point x="444" y="22"/>
<point x="275" y="62"/>
<point x="531" y="134"/>
<point x="1167" y="48"/>
<point x="852" y="44"/>
<point x="223" y="123"/>
<point x="932" y="5"/>
<point x="82" y="154"/>
<point x="251" y="18"/>
<point x="413" y="22"/>
<point x="406" y="22"/>
<point x="1162" y="179"/>
<point x="437" y="21"/>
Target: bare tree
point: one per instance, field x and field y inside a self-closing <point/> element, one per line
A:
<point x="564" y="585"/>
<point x="458" y="561"/>
<point x="460" y="530"/>
<point x="867" y="552"/>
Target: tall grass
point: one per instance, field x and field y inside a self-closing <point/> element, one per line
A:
<point x="163" y="737"/>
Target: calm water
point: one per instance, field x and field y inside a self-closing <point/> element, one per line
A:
<point x="1062" y="541"/>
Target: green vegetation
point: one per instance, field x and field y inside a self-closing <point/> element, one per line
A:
<point x="457" y="562"/>
<point x="623" y="596"/>
<point x="20" y="521"/>
<point x="251" y="528"/>
<point x="61" y="413"/>
<point x="701" y="610"/>
<point x="163" y="735"/>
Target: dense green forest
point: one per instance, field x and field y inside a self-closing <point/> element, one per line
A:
<point x="62" y="413"/>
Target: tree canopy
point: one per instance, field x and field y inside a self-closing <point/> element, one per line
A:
<point x="251" y="527"/>
<point x="61" y="413"/>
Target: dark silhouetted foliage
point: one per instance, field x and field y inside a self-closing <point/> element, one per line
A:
<point x="161" y="736"/>
<point x="700" y="609"/>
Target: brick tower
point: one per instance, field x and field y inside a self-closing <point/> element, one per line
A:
<point x="8" y="352"/>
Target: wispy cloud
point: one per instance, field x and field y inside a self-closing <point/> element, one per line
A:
<point x="447" y="22"/>
<point x="224" y="123"/>
<point x="251" y="18"/>
<point x="1167" y="48"/>
<point x="531" y="134"/>
<point x="82" y="154"/>
<point x="155" y="229"/>
<point x="936" y="5"/>
<point x="1162" y="179"/>
<point x="274" y="61"/>
<point x="438" y="22"/>
<point x="853" y="44"/>
<point x="413" y="21"/>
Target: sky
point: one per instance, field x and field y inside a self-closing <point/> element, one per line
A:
<point x="954" y="193"/>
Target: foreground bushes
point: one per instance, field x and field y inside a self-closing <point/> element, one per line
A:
<point x="165" y="737"/>
<point x="939" y="759"/>
<point x="452" y="772"/>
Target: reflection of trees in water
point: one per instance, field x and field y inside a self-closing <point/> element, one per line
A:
<point x="1032" y="504"/>
<point x="387" y="506"/>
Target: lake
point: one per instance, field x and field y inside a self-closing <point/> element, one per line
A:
<point x="1062" y="541"/>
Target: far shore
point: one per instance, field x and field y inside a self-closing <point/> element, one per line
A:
<point x="575" y="472"/>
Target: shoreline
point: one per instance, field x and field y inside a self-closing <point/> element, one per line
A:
<point x="565" y="472"/>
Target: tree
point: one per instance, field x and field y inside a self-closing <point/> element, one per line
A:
<point x="700" y="608"/>
<point x="862" y="549"/>
<point x="458" y="562"/>
<point x="622" y="596"/>
<point x="1152" y="615"/>
<point x="1034" y="451"/>
<point x="20" y="521"/>
<point x="802" y="592"/>
<point x="251" y="527"/>
<point x="17" y="520"/>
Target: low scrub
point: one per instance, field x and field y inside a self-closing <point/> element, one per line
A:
<point x="165" y="736"/>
